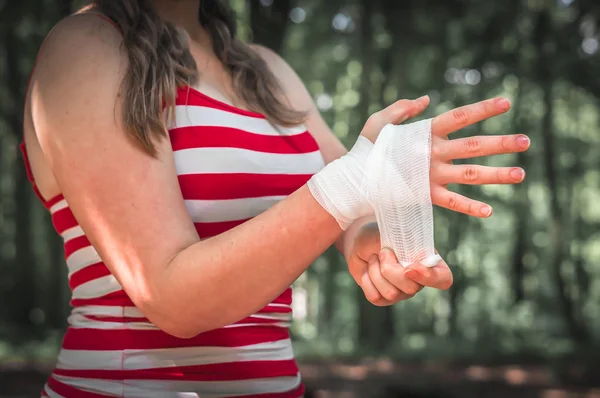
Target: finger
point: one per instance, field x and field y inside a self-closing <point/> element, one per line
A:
<point x="442" y="197"/>
<point x="394" y="273"/>
<point x="396" y="113"/>
<point x="370" y="291"/>
<point x="472" y="147"/>
<point x="473" y="174"/>
<point x="386" y="289"/>
<point x="464" y="116"/>
<point x="438" y="276"/>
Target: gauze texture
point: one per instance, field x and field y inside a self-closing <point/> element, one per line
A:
<point x="391" y="180"/>
<point x="398" y="190"/>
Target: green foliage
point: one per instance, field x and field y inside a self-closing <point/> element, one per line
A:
<point x="526" y="280"/>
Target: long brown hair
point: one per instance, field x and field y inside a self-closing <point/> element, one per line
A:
<point x="160" y="62"/>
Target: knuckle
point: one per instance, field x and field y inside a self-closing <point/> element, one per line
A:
<point x="398" y="113"/>
<point x="373" y="298"/>
<point x="505" y="143"/>
<point x="501" y="175"/>
<point x="411" y="289"/>
<point x="392" y="295"/>
<point x="472" y="145"/>
<point x="452" y="202"/>
<point x="488" y="106"/>
<point x="470" y="209"/>
<point x="437" y="150"/>
<point x="470" y="173"/>
<point x="387" y="270"/>
<point x="445" y="285"/>
<point x="461" y="116"/>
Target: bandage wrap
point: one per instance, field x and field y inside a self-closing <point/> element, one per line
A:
<point x="391" y="180"/>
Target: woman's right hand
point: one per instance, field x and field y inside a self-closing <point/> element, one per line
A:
<point x="443" y="150"/>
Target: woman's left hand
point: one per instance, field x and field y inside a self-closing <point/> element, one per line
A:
<point x="383" y="280"/>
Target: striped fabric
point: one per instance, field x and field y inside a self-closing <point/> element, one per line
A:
<point x="232" y="165"/>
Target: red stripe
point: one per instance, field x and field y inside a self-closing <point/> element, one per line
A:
<point x="121" y="339"/>
<point x="190" y="96"/>
<point x="262" y="321"/>
<point x="71" y="392"/>
<point x="118" y="319"/>
<point x="239" y="185"/>
<point x="75" y="244"/>
<point x="209" y="229"/>
<point x="47" y="203"/>
<point x="114" y="299"/>
<point x="211" y="372"/>
<point x="225" y="137"/>
<point x="87" y="274"/>
<point x="284" y="298"/>
<point x="63" y="219"/>
<point x="274" y="310"/>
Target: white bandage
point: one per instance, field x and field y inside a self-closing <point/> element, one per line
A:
<point x="391" y="180"/>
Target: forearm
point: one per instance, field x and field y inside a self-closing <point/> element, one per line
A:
<point x="225" y="278"/>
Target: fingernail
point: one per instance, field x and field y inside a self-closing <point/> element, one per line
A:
<point x="411" y="273"/>
<point x="422" y="98"/>
<point x="503" y="103"/>
<point x="523" y="141"/>
<point x="486" y="211"/>
<point x="517" y="174"/>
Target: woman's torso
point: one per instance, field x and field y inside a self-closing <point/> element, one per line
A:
<point x="231" y="165"/>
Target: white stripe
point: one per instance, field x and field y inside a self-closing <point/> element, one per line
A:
<point x="51" y="393"/>
<point x="189" y="115"/>
<point x="72" y="233"/>
<point x="273" y="316"/>
<point x="285" y="325"/>
<point x="97" y="288"/>
<point x="61" y="204"/>
<point x="180" y="389"/>
<point x="105" y="310"/>
<point x="237" y="160"/>
<point x="171" y="357"/>
<point x="230" y="209"/>
<point x="82" y="258"/>
<point x="280" y="305"/>
<point x="81" y="321"/>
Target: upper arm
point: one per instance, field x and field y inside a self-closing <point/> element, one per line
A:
<point x="128" y="203"/>
<point x="300" y="99"/>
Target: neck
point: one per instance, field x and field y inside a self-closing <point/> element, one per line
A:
<point x="184" y="13"/>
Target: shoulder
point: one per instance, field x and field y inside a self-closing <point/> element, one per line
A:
<point x="293" y="87"/>
<point x="80" y="44"/>
<point x="78" y="76"/>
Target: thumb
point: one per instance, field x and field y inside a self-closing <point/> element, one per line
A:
<point x="398" y="112"/>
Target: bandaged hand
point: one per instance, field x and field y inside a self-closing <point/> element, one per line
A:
<point x="398" y="172"/>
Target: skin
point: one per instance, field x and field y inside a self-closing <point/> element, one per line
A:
<point x="78" y="147"/>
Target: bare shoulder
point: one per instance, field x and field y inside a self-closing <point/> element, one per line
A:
<point x="82" y="54"/>
<point x="81" y="34"/>
<point x="292" y="85"/>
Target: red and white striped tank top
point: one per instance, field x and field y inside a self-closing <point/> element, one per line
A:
<point x="231" y="165"/>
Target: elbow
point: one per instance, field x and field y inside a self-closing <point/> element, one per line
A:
<point x="173" y="316"/>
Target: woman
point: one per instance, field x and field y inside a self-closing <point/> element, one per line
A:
<point x="178" y="249"/>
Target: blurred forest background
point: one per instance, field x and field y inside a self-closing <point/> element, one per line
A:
<point x="523" y="316"/>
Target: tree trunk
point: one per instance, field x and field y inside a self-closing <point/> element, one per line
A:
<point x="269" y="23"/>
<point x="329" y="291"/>
<point x="521" y="234"/>
<point x="576" y="329"/>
